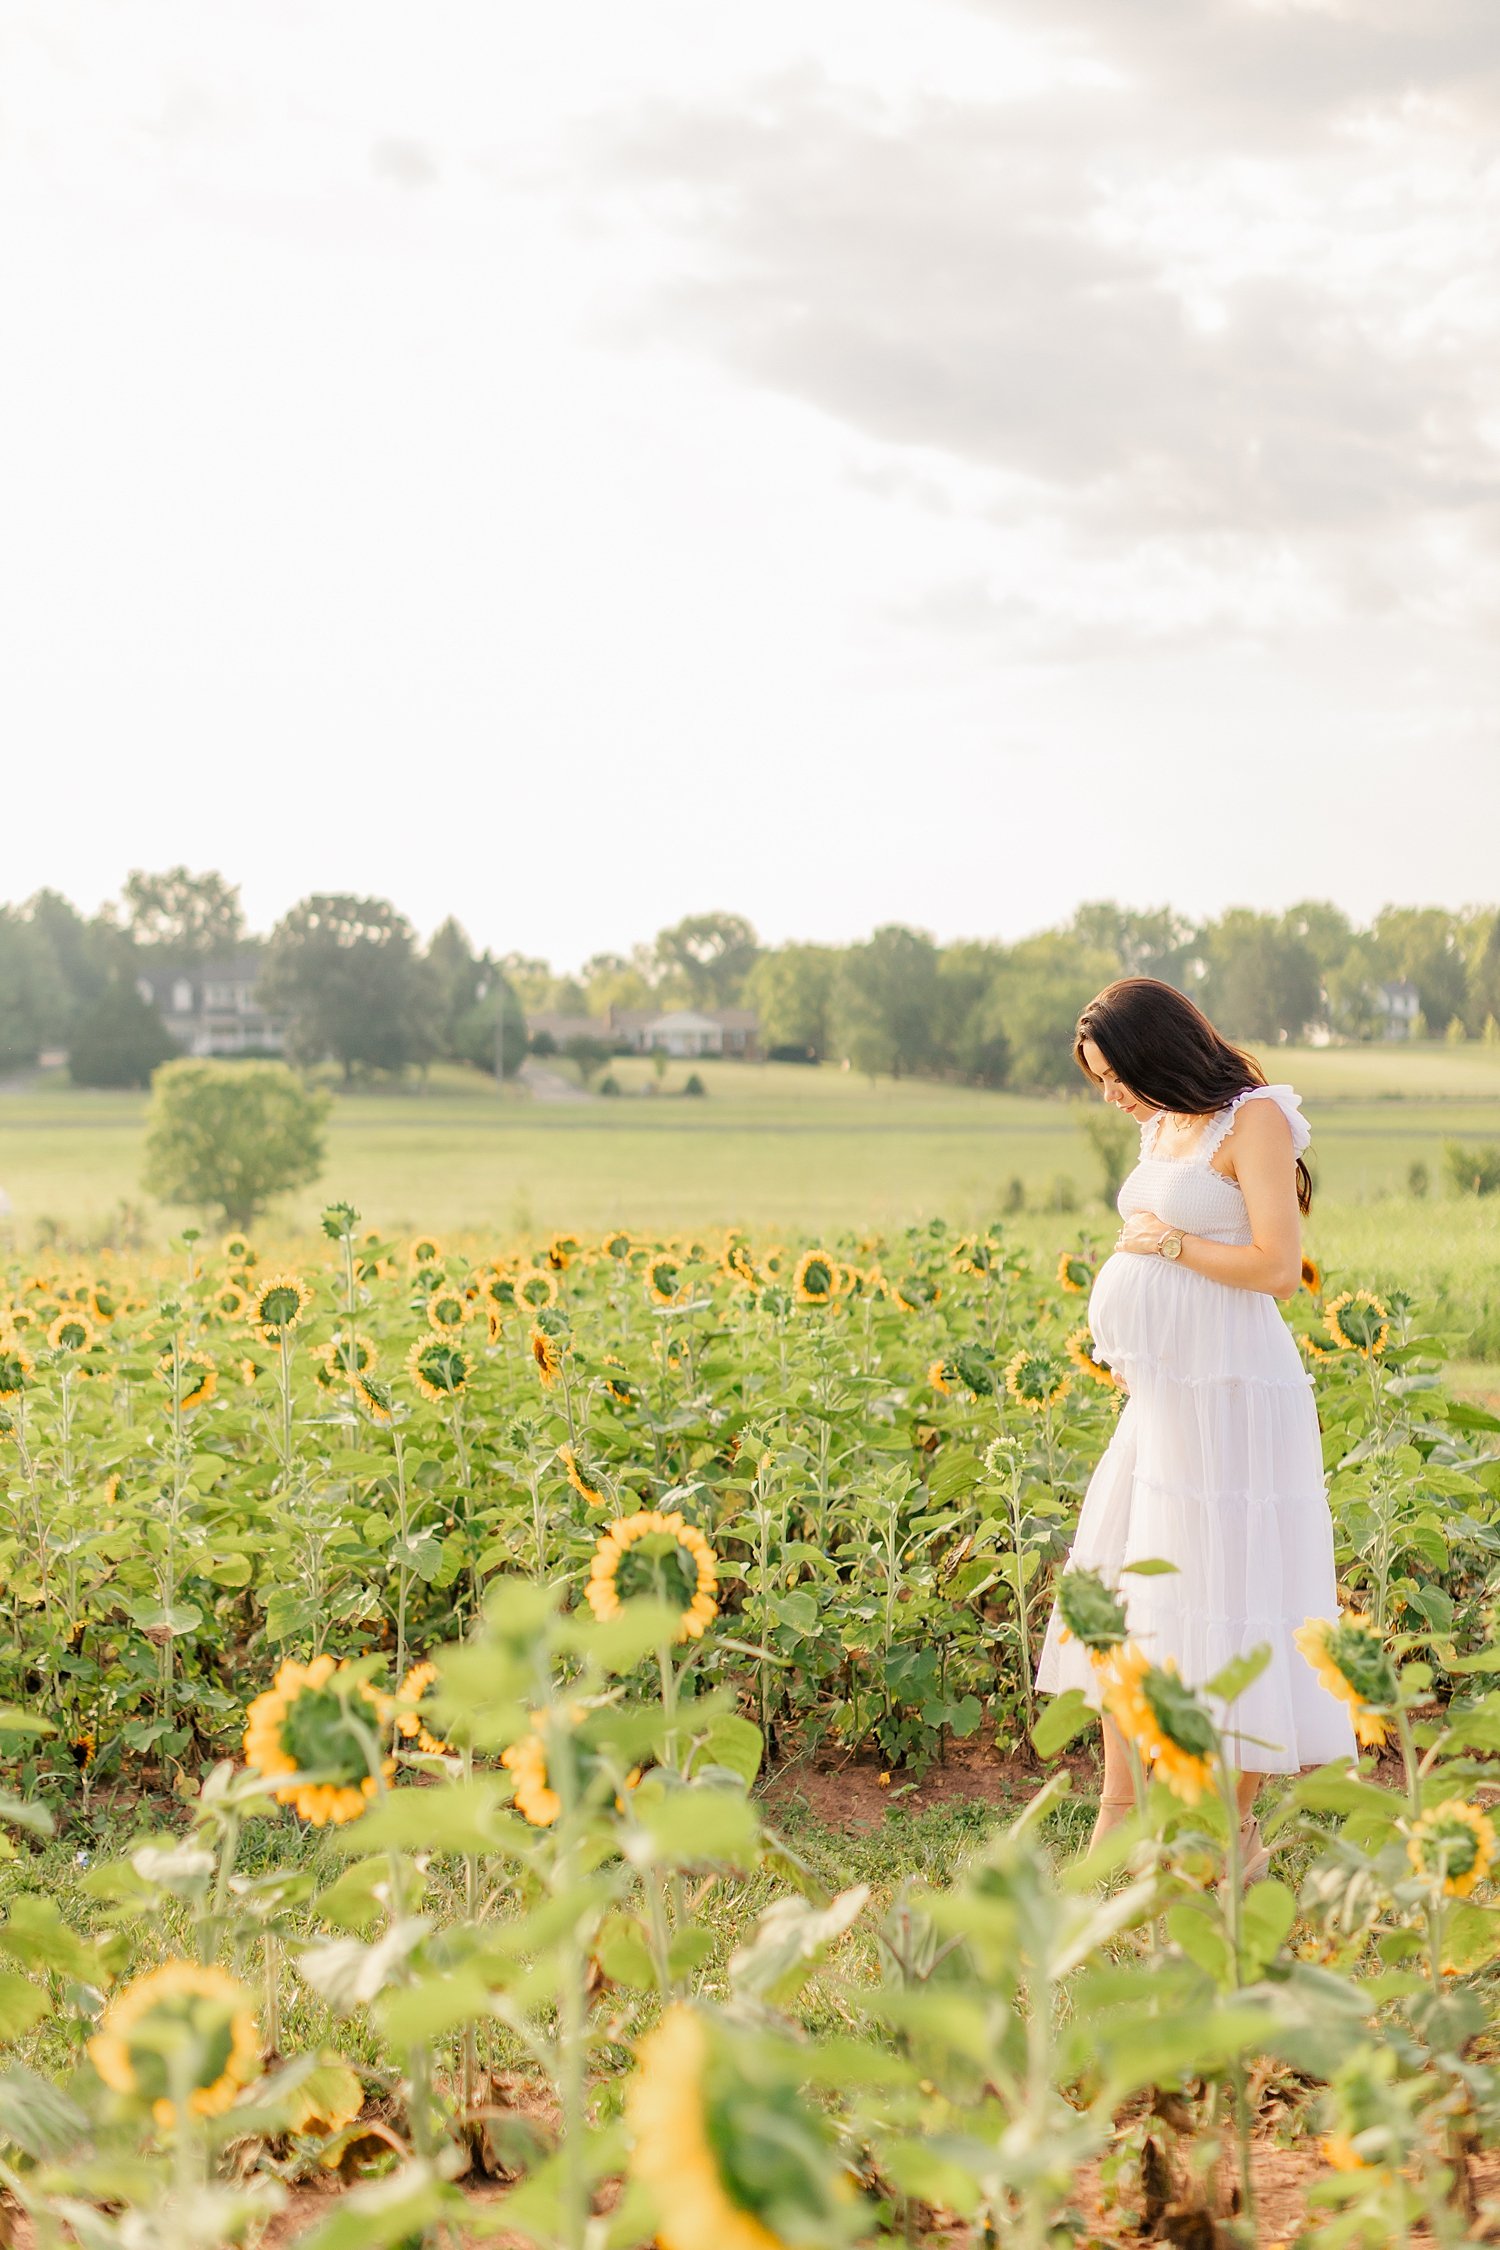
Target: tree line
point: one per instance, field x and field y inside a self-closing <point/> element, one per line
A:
<point x="353" y="984"/>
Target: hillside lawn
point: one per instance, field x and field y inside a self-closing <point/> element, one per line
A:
<point x="779" y="1148"/>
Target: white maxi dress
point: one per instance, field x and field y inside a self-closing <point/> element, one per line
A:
<point x="1215" y="1466"/>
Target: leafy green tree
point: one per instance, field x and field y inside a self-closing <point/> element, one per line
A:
<point x="791" y="990"/>
<point x="973" y="1038"/>
<point x="194" y="918"/>
<point x="1158" y="943"/>
<point x="529" y="978"/>
<point x="118" y="1039"/>
<point x="345" y="975"/>
<point x="712" y="953"/>
<point x="1042" y="986"/>
<point x="609" y="980"/>
<point x="495" y="1027"/>
<point x="33" y="995"/>
<point x="1114" y="1139"/>
<point x="1424" y="945"/>
<point x="230" y="1136"/>
<point x="1482" y="1000"/>
<point x="1263" y="980"/>
<point x="887" y="1002"/>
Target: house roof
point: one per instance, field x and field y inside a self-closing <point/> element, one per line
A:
<point x="683" y="1019"/>
<point x="1400" y="988"/>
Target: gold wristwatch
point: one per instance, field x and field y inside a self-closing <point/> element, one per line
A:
<point x="1170" y="1245"/>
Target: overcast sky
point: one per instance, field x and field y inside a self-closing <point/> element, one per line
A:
<point x="843" y="460"/>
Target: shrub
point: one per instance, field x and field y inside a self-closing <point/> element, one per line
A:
<point x="118" y="1040"/>
<point x="1473" y="1171"/>
<point x="1418" y="1179"/>
<point x="230" y="1136"/>
<point x="695" y="1086"/>
<point x="1114" y="1139"/>
<point x="609" y="1084"/>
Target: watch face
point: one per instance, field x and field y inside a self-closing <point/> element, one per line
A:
<point x="1171" y="1246"/>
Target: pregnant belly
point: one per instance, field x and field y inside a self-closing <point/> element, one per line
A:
<point x="1126" y="1305"/>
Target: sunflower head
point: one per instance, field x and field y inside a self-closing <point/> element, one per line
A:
<point x="190" y="1377"/>
<point x="729" y="2153"/>
<point x="1454" y="1843"/>
<point x="1353" y="1663"/>
<point x="316" y="1734"/>
<point x="1359" y="1321"/>
<point x="815" y="1280"/>
<point x="426" y="1250"/>
<point x="537" y="1288"/>
<point x="914" y="1292"/>
<point x="659" y="1555"/>
<point x="375" y="1400"/>
<point x="549" y="1342"/>
<point x="439" y="1368"/>
<point x="1312" y="1276"/>
<point x="236" y="1251"/>
<point x="1074" y="1273"/>
<point x="943" y="1376"/>
<point x="498" y="1292"/>
<point x="72" y="1332"/>
<point x="1092" y="1613"/>
<point x="1036" y="1379"/>
<point x="573" y="1470"/>
<point x="447" y="1311"/>
<point x="527" y="1762"/>
<point x="409" y="1722"/>
<point x="663" y="1278"/>
<point x="617" y="1383"/>
<point x="1169" y="1726"/>
<point x="229" y="1301"/>
<point x="977" y="1254"/>
<point x="103" y="1301"/>
<point x="16" y="1370"/>
<point x="182" y="2027"/>
<point x="561" y="1251"/>
<point x="280" y="1304"/>
<point x="617" y="1245"/>
<point x="1080" y="1350"/>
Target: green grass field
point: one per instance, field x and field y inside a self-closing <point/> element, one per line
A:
<point x="775" y="1147"/>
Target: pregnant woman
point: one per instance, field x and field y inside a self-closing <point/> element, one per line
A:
<point x="1215" y="1464"/>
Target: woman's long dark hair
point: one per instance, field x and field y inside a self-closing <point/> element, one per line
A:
<point x="1168" y="1053"/>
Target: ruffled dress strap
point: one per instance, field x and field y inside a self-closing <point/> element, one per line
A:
<point x="1287" y="1100"/>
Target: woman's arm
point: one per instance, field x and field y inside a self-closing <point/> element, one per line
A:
<point x="1266" y="1169"/>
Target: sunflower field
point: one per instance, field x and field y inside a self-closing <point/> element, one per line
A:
<point x="402" y="1636"/>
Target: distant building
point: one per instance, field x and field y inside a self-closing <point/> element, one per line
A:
<point x="1398" y="1006"/>
<point x="683" y="1032"/>
<point x="212" y="1009"/>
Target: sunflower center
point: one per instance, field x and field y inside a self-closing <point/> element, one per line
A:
<point x="319" y="1735"/>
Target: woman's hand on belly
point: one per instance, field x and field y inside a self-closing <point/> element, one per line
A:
<point x="1141" y="1234"/>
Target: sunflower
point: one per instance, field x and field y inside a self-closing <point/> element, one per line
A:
<point x="617" y="1245"/>
<point x="537" y="1288"/>
<point x="719" y="2138"/>
<point x="1454" y="1841"/>
<point x="526" y="1759"/>
<point x="943" y="1376"/>
<point x="16" y="1369"/>
<point x="498" y="1292"/>
<point x="1169" y="1727"/>
<point x="447" y="1311"/>
<point x="1074" y="1273"/>
<point x="350" y="1352"/>
<point x="618" y="1385"/>
<point x="547" y="1354"/>
<point x="1312" y="1276"/>
<point x="279" y="1304"/>
<point x="663" y="1278"/>
<point x="439" y="1369"/>
<point x="1091" y="1613"/>
<point x="142" y="2032"/>
<point x="236" y="1251"/>
<point x="72" y="1332"/>
<point x="1359" y="1321"/>
<point x="102" y="1301"/>
<point x="560" y="1252"/>
<point x="735" y="1261"/>
<point x="229" y="1301"/>
<point x="374" y="1399"/>
<point x="815" y="1280"/>
<point x="1036" y="1380"/>
<point x="680" y="1567"/>
<point x="976" y="1254"/>
<point x="309" y="1733"/>
<point x="249" y="1371"/>
<point x="193" y="1374"/>
<point x="1353" y="1663"/>
<point x="914" y="1292"/>
<point x="1080" y="1350"/>
<point x="408" y="1722"/>
<point x="425" y="1251"/>
<point x="576" y="1478"/>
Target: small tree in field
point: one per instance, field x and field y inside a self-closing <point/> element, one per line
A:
<point x="231" y="1135"/>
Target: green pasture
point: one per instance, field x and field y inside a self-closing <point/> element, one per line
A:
<point x="777" y="1147"/>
